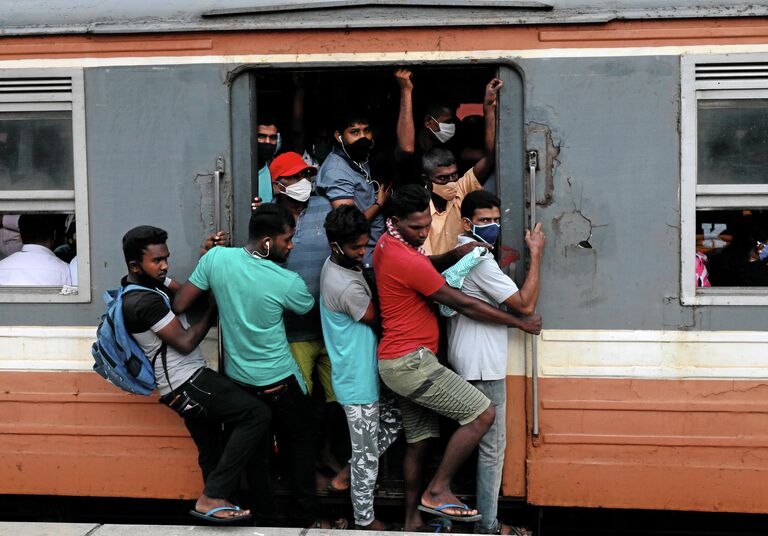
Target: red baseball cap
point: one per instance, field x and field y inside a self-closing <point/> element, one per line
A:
<point x="288" y="164"/>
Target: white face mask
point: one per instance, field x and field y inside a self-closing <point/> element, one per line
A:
<point x="299" y="191"/>
<point x="446" y="132"/>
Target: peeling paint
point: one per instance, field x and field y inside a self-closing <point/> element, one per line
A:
<point x="572" y="228"/>
<point x="204" y="182"/>
<point x="539" y="138"/>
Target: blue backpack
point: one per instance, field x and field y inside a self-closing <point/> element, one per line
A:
<point x="118" y="357"/>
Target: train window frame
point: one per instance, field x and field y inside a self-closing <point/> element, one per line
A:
<point x="52" y="90"/>
<point x="710" y="77"/>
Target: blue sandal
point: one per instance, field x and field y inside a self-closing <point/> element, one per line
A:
<point x="438" y="511"/>
<point x="210" y="517"/>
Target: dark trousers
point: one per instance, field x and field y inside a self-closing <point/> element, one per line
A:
<point x="294" y="426"/>
<point x="206" y="401"/>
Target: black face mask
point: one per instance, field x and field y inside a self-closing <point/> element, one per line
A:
<point x="266" y="151"/>
<point x="359" y="150"/>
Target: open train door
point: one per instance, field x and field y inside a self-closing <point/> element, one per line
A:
<point x="511" y="183"/>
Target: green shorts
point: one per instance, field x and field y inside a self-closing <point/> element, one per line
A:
<point x="310" y="355"/>
<point x="426" y="388"/>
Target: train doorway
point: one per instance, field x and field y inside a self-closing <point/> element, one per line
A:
<point x="303" y="104"/>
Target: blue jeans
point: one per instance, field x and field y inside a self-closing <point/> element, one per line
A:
<point x="490" y="459"/>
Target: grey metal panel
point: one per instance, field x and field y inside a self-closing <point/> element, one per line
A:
<point x="142" y="16"/>
<point x="242" y="159"/>
<point x="616" y="178"/>
<point x="510" y="165"/>
<point x="615" y="184"/>
<point x="153" y="137"/>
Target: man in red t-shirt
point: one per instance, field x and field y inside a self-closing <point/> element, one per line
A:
<point x="408" y="283"/>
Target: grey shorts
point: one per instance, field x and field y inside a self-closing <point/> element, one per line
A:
<point x="426" y="388"/>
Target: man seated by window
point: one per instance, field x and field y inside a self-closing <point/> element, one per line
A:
<point x="36" y="264"/>
<point x="10" y="241"/>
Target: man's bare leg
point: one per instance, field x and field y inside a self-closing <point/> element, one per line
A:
<point x="412" y="472"/>
<point x="460" y="446"/>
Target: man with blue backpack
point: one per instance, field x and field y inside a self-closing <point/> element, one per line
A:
<point x="204" y="398"/>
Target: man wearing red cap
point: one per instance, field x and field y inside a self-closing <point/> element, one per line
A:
<point x="292" y="187"/>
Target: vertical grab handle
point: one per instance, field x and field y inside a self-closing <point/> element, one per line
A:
<point x="217" y="176"/>
<point x="533" y="163"/>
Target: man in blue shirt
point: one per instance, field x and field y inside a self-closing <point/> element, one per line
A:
<point x="345" y="176"/>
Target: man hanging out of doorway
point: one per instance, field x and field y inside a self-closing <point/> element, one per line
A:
<point x="408" y="282"/>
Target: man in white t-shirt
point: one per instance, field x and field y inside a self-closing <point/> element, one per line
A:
<point x="36" y="264"/>
<point x="477" y="351"/>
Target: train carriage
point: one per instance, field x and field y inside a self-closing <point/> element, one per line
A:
<point x="632" y="132"/>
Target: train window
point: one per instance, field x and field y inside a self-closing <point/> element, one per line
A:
<point x="44" y="254"/>
<point x="732" y="142"/>
<point x="724" y="180"/>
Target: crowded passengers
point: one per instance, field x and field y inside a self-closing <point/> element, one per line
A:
<point x="380" y="296"/>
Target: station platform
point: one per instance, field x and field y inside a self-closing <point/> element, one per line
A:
<point x="96" y="529"/>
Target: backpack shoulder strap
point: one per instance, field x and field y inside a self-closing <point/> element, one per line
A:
<point x="163" y="351"/>
<point x="139" y="288"/>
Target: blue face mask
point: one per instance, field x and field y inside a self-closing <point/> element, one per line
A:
<point x="488" y="233"/>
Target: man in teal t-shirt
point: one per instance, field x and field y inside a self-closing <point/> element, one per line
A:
<point x="347" y="313"/>
<point x="252" y="293"/>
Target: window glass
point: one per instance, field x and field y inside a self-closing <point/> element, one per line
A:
<point x="38" y="250"/>
<point x="731" y="246"/>
<point x="36" y="151"/>
<point x="733" y="141"/>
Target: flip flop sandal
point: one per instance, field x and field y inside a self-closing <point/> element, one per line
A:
<point x="211" y="518"/>
<point x="438" y="511"/>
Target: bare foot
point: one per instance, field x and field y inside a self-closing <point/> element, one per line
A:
<point x="434" y="500"/>
<point x="414" y="522"/>
<point x="514" y="531"/>
<point x="340" y="523"/>
<point x="342" y="480"/>
<point x="206" y="504"/>
<point x="374" y="525"/>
